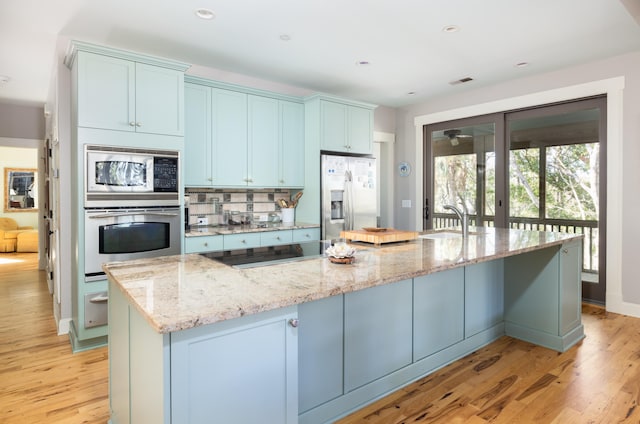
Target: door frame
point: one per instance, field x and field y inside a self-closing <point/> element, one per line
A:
<point x="613" y="88"/>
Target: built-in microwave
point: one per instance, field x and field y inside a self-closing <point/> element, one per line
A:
<point x="125" y="176"/>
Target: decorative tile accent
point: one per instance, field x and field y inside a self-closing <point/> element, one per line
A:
<point x="202" y="202"/>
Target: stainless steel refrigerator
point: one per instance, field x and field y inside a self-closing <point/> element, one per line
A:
<point x="348" y="194"/>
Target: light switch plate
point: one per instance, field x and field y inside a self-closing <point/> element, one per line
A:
<point x="406" y="203"/>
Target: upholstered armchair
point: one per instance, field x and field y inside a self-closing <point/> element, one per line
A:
<point x="9" y="231"/>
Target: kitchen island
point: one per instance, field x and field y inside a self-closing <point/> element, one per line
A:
<point x="193" y="340"/>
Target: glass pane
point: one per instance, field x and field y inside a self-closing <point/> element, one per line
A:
<point x="524" y="183"/>
<point x="554" y="183"/>
<point x="572" y="181"/>
<point x="464" y="174"/>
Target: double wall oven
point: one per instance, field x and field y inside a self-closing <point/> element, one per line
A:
<point x="131" y="211"/>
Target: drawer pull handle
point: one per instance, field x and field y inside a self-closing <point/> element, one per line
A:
<point x="99" y="299"/>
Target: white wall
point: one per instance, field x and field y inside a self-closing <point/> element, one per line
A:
<point x="623" y="293"/>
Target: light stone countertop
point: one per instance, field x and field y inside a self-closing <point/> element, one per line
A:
<point x="178" y="292"/>
<point x="256" y="227"/>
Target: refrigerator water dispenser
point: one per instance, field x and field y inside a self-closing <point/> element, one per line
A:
<point x="337" y="211"/>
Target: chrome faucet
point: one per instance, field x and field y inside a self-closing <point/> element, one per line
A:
<point x="463" y="216"/>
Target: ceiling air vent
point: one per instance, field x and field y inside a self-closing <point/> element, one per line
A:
<point x="461" y="81"/>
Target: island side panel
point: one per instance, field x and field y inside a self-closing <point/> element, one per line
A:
<point x="538" y="295"/>
<point x="118" y="357"/>
<point x="139" y="386"/>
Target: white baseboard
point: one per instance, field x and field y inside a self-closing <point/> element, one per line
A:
<point x="63" y="326"/>
<point x="614" y="303"/>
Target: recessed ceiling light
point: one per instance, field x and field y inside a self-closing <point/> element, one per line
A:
<point x="521" y="64"/>
<point x="363" y="63"/>
<point x="207" y="14"/>
<point x="451" y="28"/>
<point x="285" y="37"/>
<point x="4" y="79"/>
<point x="411" y="93"/>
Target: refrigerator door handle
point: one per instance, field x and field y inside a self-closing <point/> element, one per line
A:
<point x="348" y="201"/>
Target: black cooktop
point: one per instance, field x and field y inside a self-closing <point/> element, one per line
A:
<point x="271" y="255"/>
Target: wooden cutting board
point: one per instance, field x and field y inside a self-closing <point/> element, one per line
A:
<point x="378" y="237"/>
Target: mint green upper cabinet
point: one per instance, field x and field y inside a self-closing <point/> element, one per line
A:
<point x="197" y="136"/>
<point x="229" y="138"/>
<point x="124" y="95"/>
<point x="345" y="128"/>
<point x="263" y="142"/>
<point x="159" y="100"/>
<point x="106" y="92"/>
<point x="291" y="144"/>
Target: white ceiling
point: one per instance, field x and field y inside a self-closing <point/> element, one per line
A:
<point x="402" y="39"/>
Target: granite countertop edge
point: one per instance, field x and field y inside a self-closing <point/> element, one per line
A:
<point x="175" y="293"/>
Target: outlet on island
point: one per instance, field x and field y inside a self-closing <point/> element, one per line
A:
<point x="203" y="221"/>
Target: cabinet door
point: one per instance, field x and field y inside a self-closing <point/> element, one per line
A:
<point x="378" y="332"/>
<point x="240" y="374"/>
<point x="484" y="296"/>
<point x="159" y="100"/>
<point x="203" y="244"/>
<point x="320" y="340"/>
<point x="292" y="145"/>
<point x="241" y="241"/>
<point x="106" y="92"/>
<point x="229" y="135"/>
<point x="438" y="311"/>
<point x="360" y="129"/>
<point x="570" y="286"/>
<point x="263" y="142"/>
<point x="306" y="234"/>
<point x="333" y="126"/>
<point x="197" y="136"/>
<point x="274" y="238"/>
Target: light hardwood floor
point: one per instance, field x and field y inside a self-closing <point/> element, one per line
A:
<point x="41" y="380"/>
<point x="509" y="381"/>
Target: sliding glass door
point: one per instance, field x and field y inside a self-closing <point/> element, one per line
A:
<point x="539" y="169"/>
<point x="557" y="178"/>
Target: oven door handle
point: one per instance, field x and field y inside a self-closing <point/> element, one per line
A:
<point x="115" y="214"/>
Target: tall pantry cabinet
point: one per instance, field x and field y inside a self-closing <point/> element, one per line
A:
<point x="122" y="99"/>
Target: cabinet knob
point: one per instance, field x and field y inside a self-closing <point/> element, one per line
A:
<point x="138" y="124"/>
<point x="206" y="245"/>
<point x="209" y="179"/>
<point x="244" y="242"/>
<point x="278" y="238"/>
<point x="132" y="124"/>
<point x="294" y="322"/>
<point x="565" y="250"/>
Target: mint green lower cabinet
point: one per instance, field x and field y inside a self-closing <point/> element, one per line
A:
<point x="236" y="371"/>
<point x="484" y="296"/>
<point x="203" y="244"/>
<point x="241" y="241"/>
<point x="320" y="349"/>
<point x="306" y="234"/>
<point x="274" y="238"/>
<point x="377" y="332"/>
<point x="438" y="311"/>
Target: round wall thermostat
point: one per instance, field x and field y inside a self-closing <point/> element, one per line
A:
<point x="404" y="169"/>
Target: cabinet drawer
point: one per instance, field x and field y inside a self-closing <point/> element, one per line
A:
<point x="241" y="241"/>
<point x="306" y="234"/>
<point x="203" y="244"/>
<point x="273" y="238"/>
